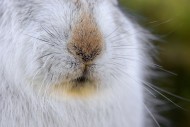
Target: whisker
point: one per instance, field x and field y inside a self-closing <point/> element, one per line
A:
<point x="171" y="94"/>
<point x="41" y="40"/>
<point x="51" y="34"/>
<point x="127" y="57"/>
<point x="56" y="32"/>
<point x="160" y="67"/>
<point x="123" y="45"/>
<point x="112" y="32"/>
<point x="143" y="86"/>
<point x="122" y="58"/>
<point x="164" y="22"/>
<point x="147" y="84"/>
<point x="164" y="96"/>
<point x="115" y="38"/>
<point x="153" y="117"/>
<point x="48" y="31"/>
<point x="46" y="55"/>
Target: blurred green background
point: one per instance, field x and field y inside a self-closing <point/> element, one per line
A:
<point x="170" y="20"/>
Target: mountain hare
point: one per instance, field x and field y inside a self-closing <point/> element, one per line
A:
<point x="72" y="63"/>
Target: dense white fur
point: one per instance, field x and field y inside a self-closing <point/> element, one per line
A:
<point x="121" y="69"/>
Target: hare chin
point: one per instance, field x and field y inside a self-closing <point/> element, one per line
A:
<point x="83" y="90"/>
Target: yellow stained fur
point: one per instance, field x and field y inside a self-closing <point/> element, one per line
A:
<point x="81" y="91"/>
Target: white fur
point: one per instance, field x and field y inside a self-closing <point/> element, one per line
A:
<point x="121" y="69"/>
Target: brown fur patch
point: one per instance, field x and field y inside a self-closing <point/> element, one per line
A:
<point x="86" y="40"/>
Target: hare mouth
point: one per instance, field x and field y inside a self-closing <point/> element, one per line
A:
<point x="81" y="80"/>
<point x="82" y="86"/>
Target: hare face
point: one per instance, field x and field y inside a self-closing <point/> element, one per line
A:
<point x="77" y="46"/>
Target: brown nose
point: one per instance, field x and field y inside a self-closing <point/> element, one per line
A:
<point x="86" y="40"/>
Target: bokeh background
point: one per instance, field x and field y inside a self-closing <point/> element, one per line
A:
<point x="170" y="21"/>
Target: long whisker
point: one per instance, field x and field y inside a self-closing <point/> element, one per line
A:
<point x="112" y="32"/>
<point x="147" y="84"/>
<point x="160" y="67"/>
<point x="127" y="57"/>
<point x="169" y="93"/>
<point x="143" y="86"/>
<point x="151" y="114"/>
<point x="40" y="39"/>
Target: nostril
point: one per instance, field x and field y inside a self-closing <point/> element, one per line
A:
<point x="90" y="57"/>
<point x="85" y="58"/>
